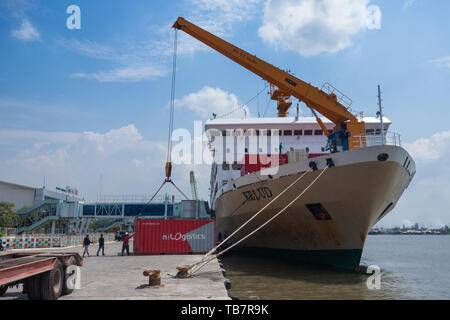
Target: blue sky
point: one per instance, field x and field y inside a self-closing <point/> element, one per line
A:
<point x="77" y="104"/>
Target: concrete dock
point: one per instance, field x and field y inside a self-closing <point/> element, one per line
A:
<point x="114" y="277"/>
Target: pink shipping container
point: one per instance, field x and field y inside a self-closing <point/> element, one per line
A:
<point x="174" y="236"/>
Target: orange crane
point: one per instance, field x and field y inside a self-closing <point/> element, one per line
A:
<point x="284" y="85"/>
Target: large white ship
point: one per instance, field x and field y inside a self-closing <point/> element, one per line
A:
<point x="363" y="168"/>
<point x="329" y="223"/>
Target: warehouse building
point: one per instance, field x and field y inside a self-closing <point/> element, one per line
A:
<point x="27" y="196"/>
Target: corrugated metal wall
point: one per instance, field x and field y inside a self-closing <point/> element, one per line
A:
<point x="174" y="236"/>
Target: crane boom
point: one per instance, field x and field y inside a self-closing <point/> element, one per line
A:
<point x="287" y="84"/>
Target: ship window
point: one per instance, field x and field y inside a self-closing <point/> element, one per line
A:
<point x="269" y="133"/>
<point x="236" y="166"/>
<point x="225" y="166"/>
<point x="276" y="132"/>
<point x="308" y="132"/>
<point x="318" y="132"/>
<point x="370" y="131"/>
<point x="224" y="133"/>
<point x="378" y="131"/>
<point x="318" y="211"/>
<point x="257" y="132"/>
<point x="408" y="164"/>
<point x="250" y="132"/>
<point x="287" y="133"/>
<point x="213" y="132"/>
<point x="297" y="132"/>
<point x="406" y="160"/>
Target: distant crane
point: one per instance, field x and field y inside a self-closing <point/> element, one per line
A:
<point x="193" y="185"/>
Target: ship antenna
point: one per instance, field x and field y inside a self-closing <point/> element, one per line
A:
<point x="380" y="113"/>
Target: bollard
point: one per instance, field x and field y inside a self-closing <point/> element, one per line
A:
<point x="183" y="272"/>
<point x="154" y="277"/>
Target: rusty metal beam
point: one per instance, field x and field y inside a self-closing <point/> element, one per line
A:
<point x="25" y="270"/>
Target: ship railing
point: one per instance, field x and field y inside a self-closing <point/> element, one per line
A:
<point x="340" y="97"/>
<point x="377" y="139"/>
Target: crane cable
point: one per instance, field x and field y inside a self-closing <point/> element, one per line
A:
<point x="172" y="107"/>
<point x="209" y="257"/>
<point x="242" y="106"/>
<point x="172" y="98"/>
<point x="169" y="140"/>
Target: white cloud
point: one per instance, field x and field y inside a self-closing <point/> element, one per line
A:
<point x="408" y="3"/>
<point x="442" y="62"/>
<point x="133" y="63"/>
<point x="430" y="149"/>
<point x="89" y="48"/>
<point x="32" y="109"/>
<point x="427" y="199"/>
<point x="26" y="32"/>
<point x="219" y="16"/>
<point x="59" y="143"/>
<point x="17" y="8"/>
<point x="216" y="16"/>
<point x="145" y="59"/>
<point x="125" y="74"/>
<point x="311" y="27"/>
<point x="115" y="139"/>
<point x="211" y="100"/>
<point x="18" y="136"/>
<point x="128" y="162"/>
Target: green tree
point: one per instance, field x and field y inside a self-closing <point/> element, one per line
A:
<point x="8" y="217"/>
<point x="23" y="208"/>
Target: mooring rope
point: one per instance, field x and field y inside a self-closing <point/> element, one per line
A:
<point x="203" y="262"/>
<point x="256" y="214"/>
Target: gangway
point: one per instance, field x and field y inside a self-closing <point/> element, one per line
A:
<point x="77" y="216"/>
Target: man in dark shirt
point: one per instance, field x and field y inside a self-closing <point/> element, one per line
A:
<point x="86" y="243"/>
<point x="101" y="244"/>
<point x="126" y="238"/>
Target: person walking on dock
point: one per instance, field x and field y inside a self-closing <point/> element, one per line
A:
<point x="86" y="243"/>
<point x="126" y="238"/>
<point x="101" y="245"/>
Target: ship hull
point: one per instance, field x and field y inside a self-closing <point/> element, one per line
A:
<point x="329" y="223"/>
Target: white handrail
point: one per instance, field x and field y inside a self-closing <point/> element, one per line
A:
<point x="369" y="140"/>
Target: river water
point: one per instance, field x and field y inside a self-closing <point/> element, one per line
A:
<point x="412" y="267"/>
